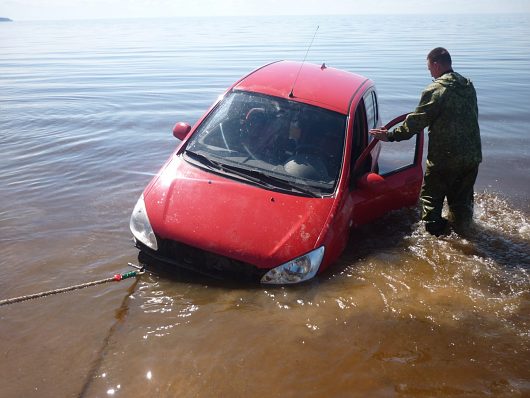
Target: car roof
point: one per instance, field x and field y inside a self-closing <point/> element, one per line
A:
<point x="322" y="86"/>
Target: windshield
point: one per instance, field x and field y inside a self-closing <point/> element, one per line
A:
<point x="289" y="141"/>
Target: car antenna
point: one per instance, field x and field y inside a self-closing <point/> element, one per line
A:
<point x="291" y="94"/>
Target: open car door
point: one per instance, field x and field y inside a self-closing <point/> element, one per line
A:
<point x="395" y="181"/>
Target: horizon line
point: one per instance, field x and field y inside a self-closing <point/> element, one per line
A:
<point x="259" y="16"/>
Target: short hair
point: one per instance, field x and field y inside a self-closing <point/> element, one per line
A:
<point x="440" y="55"/>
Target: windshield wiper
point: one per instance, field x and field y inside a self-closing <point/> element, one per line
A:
<point x="211" y="164"/>
<point x="223" y="169"/>
<point x="268" y="180"/>
<point x="256" y="177"/>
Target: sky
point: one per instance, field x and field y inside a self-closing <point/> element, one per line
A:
<point x="98" y="9"/>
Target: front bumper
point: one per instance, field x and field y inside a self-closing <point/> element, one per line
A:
<point x="201" y="261"/>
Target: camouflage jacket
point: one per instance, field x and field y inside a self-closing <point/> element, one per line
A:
<point x="448" y="107"/>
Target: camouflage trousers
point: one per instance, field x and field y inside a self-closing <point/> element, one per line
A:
<point x="454" y="184"/>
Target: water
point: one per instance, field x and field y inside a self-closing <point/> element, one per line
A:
<point x="86" y="111"/>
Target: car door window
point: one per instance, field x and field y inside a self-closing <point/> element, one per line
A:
<point x="359" y="131"/>
<point x="370" y="105"/>
<point x="391" y="157"/>
<point x="396" y="156"/>
<point x="360" y="138"/>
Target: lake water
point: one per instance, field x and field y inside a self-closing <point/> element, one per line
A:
<point x="86" y="111"/>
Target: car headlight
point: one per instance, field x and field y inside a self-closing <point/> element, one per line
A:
<point x="140" y="225"/>
<point x="298" y="270"/>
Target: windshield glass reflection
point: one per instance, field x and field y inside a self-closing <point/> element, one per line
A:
<point x="287" y="140"/>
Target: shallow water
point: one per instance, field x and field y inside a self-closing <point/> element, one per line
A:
<point x="86" y="111"/>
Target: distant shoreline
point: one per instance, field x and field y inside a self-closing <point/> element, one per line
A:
<point x="5" y="20"/>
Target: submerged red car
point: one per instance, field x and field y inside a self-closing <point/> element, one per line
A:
<point x="269" y="182"/>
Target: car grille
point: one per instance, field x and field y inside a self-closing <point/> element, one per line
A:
<point x="201" y="261"/>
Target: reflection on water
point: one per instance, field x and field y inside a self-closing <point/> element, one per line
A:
<point x="86" y="115"/>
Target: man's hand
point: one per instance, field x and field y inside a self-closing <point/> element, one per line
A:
<point x="380" y="134"/>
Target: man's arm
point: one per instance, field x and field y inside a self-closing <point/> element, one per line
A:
<point x="426" y="111"/>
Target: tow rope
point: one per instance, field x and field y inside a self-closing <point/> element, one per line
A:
<point x="115" y="278"/>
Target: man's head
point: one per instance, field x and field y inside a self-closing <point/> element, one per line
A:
<point x="438" y="62"/>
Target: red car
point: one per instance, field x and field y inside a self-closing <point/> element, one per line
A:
<point x="269" y="182"/>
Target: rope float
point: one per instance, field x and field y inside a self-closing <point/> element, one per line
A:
<point x="115" y="278"/>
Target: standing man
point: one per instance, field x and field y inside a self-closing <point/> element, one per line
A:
<point x="448" y="107"/>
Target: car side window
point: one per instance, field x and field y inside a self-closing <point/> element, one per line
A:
<point x="396" y="156"/>
<point x="359" y="131"/>
<point x="360" y="137"/>
<point x="370" y="103"/>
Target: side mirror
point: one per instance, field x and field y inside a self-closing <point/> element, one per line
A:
<point x="372" y="182"/>
<point x="181" y="130"/>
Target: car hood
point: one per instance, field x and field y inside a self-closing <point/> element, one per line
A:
<point x="232" y="218"/>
